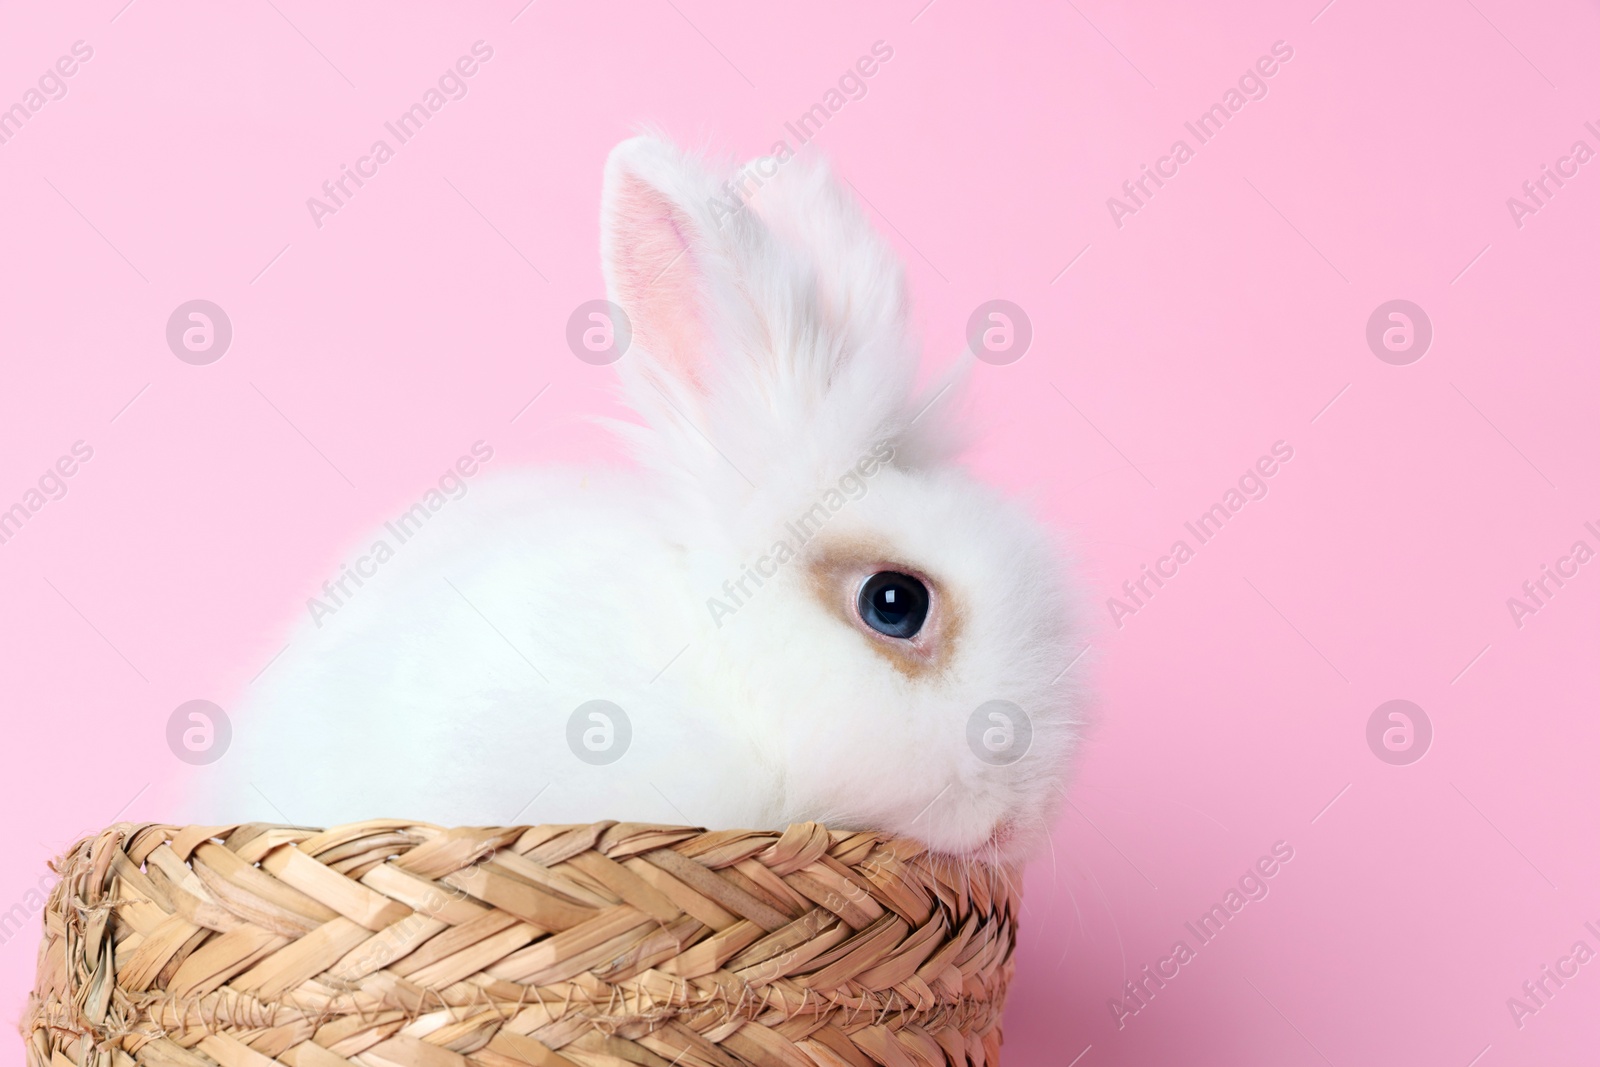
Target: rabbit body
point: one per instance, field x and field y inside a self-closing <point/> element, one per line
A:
<point x="713" y="593"/>
<point x="441" y="689"/>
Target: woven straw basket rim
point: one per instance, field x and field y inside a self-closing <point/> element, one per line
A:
<point x="390" y="943"/>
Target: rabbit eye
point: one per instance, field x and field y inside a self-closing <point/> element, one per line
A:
<point x="893" y="604"/>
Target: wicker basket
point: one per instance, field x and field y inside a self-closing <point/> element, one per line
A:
<point x="396" y="944"/>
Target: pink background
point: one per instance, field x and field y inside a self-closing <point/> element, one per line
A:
<point x="1224" y="316"/>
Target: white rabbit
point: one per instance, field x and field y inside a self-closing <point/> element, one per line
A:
<point x="772" y="367"/>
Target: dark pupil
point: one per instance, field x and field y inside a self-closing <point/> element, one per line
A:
<point x="894" y="604"/>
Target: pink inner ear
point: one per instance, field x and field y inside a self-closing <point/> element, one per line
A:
<point x="658" y="278"/>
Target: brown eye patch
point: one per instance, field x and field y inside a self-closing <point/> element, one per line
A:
<point x="836" y="569"/>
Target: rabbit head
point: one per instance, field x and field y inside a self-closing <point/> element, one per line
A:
<point x="893" y="635"/>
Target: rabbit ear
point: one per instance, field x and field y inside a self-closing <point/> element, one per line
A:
<point x="858" y="297"/>
<point x="655" y="252"/>
<point x="769" y="321"/>
<point x="676" y="269"/>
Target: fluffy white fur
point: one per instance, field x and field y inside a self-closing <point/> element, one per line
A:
<point x="770" y="354"/>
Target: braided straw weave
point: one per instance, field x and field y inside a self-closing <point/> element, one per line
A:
<point x="396" y="944"/>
